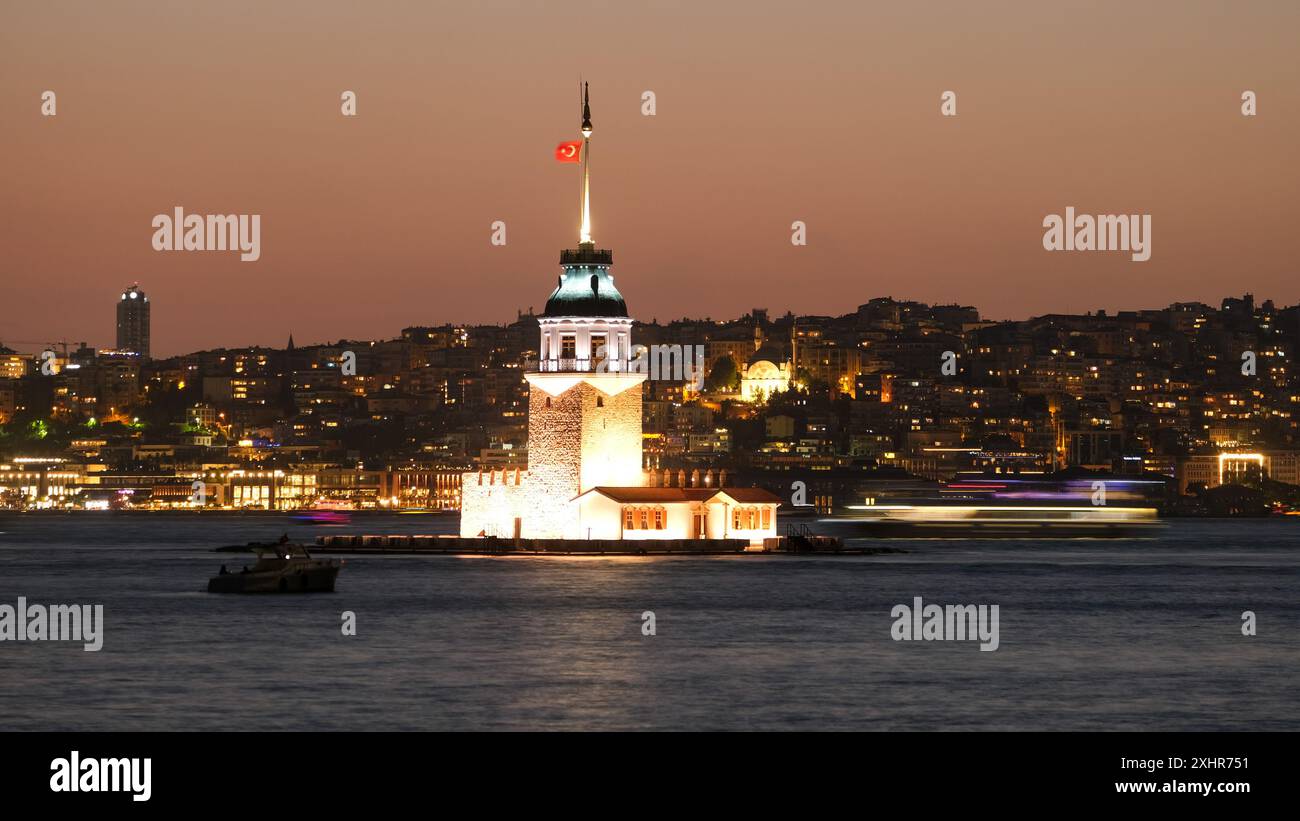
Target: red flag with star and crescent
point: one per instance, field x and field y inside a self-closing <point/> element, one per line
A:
<point x="569" y="152"/>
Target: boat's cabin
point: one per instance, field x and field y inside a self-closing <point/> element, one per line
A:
<point x="279" y="553"/>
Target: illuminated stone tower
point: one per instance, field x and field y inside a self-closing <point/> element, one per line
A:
<point x="584" y="407"/>
<point x="584" y="403"/>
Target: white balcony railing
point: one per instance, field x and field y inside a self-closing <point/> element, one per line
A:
<point x="580" y="365"/>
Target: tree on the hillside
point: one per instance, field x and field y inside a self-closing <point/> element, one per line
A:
<point x="724" y="376"/>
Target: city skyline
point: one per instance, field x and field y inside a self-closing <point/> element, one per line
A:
<point x="1193" y="403"/>
<point x="383" y="220"/>
<point x="34" y="347"/>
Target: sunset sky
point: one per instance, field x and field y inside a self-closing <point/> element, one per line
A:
<point x="768" y="112"/>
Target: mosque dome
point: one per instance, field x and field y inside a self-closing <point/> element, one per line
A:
<point x="767" y="353"/>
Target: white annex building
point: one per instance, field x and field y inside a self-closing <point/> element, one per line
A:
<point x="584" y="478"/>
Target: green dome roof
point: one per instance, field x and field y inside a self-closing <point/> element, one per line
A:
<point x="586" y="287"/>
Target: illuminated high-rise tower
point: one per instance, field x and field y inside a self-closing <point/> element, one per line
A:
<point x="133" y="321"/>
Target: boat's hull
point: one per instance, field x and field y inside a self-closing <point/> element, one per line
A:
<point x="316" y="579"/>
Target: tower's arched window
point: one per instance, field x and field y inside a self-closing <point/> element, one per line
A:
<point x="548" y="401"/>
<point x="600" y="401"/>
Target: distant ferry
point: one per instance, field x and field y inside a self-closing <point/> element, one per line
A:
<point x="994" y="521"/>
<point x="333" y="504"/>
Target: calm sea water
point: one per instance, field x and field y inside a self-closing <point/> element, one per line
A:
<point x="1095" y="634"/>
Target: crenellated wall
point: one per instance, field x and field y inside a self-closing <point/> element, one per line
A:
<point x="492" y="500"/>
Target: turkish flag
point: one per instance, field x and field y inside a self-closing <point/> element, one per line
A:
<point x="568" y="152"/>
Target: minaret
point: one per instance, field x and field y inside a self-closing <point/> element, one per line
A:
<point x="584" y="407"/>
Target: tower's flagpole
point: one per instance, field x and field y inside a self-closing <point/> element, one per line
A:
<point x="585" y="235"/>
<point x="582" y="195"/>
<point x="586" y="190"/>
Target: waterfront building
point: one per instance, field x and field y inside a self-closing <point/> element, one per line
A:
<point x="426" y="487"/>
<point x="38" y="481"/>
<point x="1238" y="467"/>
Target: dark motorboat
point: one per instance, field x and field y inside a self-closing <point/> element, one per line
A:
<point x="280" y="568"/>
